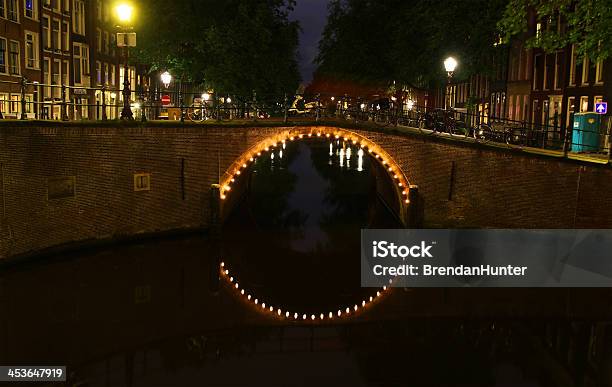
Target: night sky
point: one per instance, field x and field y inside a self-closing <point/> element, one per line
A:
<point x="312" y="15"/>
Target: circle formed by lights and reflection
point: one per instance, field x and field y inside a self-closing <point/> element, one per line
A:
<point x="278" y="312"/>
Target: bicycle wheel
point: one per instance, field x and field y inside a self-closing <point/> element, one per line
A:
<point x="195" y="113"/>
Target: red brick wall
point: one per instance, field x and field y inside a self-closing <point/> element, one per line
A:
<point x="492" y="187"/>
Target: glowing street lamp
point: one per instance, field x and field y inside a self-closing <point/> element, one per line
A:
<point x="450" y="64"/>
<point x="166" y="78"/>
<point x="124" y="12"/>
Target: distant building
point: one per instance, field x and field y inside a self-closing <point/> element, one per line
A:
<point x="61" y="42"/>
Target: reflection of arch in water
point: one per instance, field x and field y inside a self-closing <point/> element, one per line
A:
<point x="235" y="172"/>
<point x="344" y="312"/>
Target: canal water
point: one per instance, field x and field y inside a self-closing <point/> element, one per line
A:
<point x="295" y="238"/>
<point x="149" y="313"/>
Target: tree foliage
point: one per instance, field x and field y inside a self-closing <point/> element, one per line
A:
<point x="233" y="46"/>
<point x="586" y="23"/>
<point x="387" y="40"/>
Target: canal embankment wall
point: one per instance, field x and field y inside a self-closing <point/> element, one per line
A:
<point x="62" y="184"/>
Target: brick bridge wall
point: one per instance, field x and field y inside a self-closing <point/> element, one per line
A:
<point x="460" y="184"/>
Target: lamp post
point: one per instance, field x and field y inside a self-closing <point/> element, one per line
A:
<point x="166" y="78"/>
<point x="450" y="64"/>
<point x="124" y="15"/>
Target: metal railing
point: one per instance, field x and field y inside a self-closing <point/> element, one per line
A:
<point x="30" y="100"/>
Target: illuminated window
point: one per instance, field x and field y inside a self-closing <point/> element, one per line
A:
<point x="30" y="9"/>
<point x="570" y="110"/>
<point x="31" y="50"/>
<point x="584" y="104"/>
<point x="142" y="182"/>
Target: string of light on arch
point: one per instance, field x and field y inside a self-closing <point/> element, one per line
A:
<point x="235" y="171"/>
<point x="283" y="313"/>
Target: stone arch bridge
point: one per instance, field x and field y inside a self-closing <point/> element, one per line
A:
<point x="65" y="183"/>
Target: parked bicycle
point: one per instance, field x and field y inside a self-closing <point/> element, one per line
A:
<point x="509" y="134"/>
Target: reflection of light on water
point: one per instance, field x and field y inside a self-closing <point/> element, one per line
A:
<point x="348" y="153"/>
<point x="360" y="160"/>
<point x="283" y="145"/>
<point x="272" y="155"/>
<point x="280" y="154"/>
<point x="342" y="157"/>
<point x="331" y="149"/>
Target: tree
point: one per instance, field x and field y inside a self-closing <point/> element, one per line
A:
<point x="587" y="24"/>
<point x="386" y="40"/>
<point x="233" y="46"/>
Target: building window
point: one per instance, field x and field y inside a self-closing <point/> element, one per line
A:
<point x="99" y="9"/>
<point x="536" y="65"/>
<point x="112" y="74"/>
<point x="2" y="8"/>
<point x="46" y="4"/>
<point x="47" y="76"/>
<point x="67" y="6"/>
<point x="65" y="37"/>
<point x="105" y="42"/>
<point x="65" y="72"/>
<point x="12" y="10"/>
<point x="56" y="35"/>
<point x="55" y="78"/>
<point x="81" y="62"/>
<point x="98" y="40"/>
<point x="31" y="9"/>
<point x="585" y="71"/>
<point x="78" y="16"/>
<point x="46" y="36"/>
<point x="31" y="50"/>
<point x="14" y="57"/>
<point x="56" y="5"/>
<point x="556" y="84"/>
<point x="570" y="111"/>
<point x="3" y="56"/>
<point x="106" y="74"/>
<point x="572" y="78"/>
<point x="584" y="104"/>
<point x="142" y="182"/>
<point x="599" y="72"/>
<point x="98" y="72"/>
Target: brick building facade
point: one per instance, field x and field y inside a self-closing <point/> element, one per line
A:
<point x="542" y="89"/>
<point x="61" y="42"/>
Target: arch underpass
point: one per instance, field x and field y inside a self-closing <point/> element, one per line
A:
<point x="398" y="200"/>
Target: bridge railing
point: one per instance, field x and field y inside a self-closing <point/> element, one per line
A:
<point x="26" y="100"/>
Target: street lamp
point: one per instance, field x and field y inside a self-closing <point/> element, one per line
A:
<point x="450" y="64"/>
<point x="124" y="13"/>
<point x="166" y="78"/>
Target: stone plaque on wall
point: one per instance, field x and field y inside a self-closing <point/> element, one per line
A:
<point x="61" y="187"/>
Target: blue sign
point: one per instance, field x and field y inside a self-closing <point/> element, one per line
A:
<point x="601" y="108"/>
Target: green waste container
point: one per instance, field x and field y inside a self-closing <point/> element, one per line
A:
<point x="585" y="133"/>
